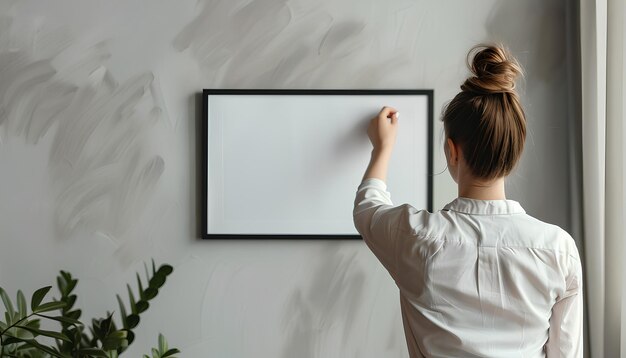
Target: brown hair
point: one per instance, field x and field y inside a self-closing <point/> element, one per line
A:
<point x="486" y="118"/>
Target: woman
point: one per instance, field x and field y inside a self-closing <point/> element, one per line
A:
<point x="480" y="278"/>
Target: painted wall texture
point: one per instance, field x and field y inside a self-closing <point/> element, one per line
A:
<point x="99" y="153"/>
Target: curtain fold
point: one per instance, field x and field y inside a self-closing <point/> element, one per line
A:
<point x="603" y="80"/>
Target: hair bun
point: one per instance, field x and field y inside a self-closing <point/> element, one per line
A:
<point x="494" y="70"/>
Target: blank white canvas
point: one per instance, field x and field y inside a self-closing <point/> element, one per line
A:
<point x="291" y="164"/>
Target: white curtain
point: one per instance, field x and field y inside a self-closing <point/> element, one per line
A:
<point x="603" y="80"/>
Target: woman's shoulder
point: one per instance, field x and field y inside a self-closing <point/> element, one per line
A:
<point x="520" y="230"/>
<point x="420" y="222"/>
<point x="548" y="235"/>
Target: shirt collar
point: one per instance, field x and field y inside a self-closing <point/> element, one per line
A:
<point x="484" y="207"/>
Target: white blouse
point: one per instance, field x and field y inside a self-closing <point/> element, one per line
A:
<point x="480" y="278"/>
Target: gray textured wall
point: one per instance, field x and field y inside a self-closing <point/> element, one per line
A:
<point x="99" y="155"/>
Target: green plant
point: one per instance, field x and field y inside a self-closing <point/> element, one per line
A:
<point x="20" y="331"/>
<point x="162" y="351"/>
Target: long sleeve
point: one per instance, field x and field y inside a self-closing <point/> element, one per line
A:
<point x="376" y="219"/>
<point x="566" y="323"/>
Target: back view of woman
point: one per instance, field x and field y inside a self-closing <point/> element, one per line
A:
<point x="480" y="278"/>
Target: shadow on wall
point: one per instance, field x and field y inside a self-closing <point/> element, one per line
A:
<point x="278" y="44"/>
<point x="197" y="160"/>
<point x="101" y="168"/>
<point x="539" y="39"/>
<point x="332" y="298"/>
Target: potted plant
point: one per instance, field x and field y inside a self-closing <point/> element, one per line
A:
<point x="20" y="331"/>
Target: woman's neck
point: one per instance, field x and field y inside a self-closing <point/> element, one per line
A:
<point x="482" y="190"/>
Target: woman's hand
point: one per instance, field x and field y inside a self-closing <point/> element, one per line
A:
<point x="382" y="132"/>
<point x="383" y="128"/>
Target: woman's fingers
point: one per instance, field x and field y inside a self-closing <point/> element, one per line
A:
<point x="387" y="112"/>
<point x="382" y="129"/>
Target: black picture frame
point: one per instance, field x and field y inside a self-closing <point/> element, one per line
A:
<point x="204" y="170"/>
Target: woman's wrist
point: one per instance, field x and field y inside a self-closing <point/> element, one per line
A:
<point x="379" y="162"/>
<point x="382" y="151"/>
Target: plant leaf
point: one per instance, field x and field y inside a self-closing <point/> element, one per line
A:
<point x="71" y="285"/>
<point x="132" y="320"/>
<point x="165" y="270"/>
<point x="62" y="319"/>
<point x="130" y="337"/>
<point x="75" y="314"/>
<point x="151" y="293"/>
<point x="32" y="323"/>
<point x="96" y="330"/>
<point x="145" y="266"/>
<point x="61" y="285"/>
<point x="21" y="304"/>
<point x="39" y="346"/>
<point x="142" y="296"/>
<point x="7" y="303"/>
<point x="122" y="311"/>
<point x="142" y="306"/>
<point x="19" y="333"/>
<point x="157" y="280"/>
<point x="170" y="352"/>
<point x="112" y="342"/>
<point x="38" y="296"/>
<point x="42" y="332"/>
<point x="16" y="316"/>
<point x="121" y="334"/>
<point x="94" y="352"/>
<point x="162" y="344"/>
<point x="10" y="340"/>
<point x="71" y="299"/>
<point x="49" y="306"/>
<point x="105" y="324"/>
<point x="133" y="307"/>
